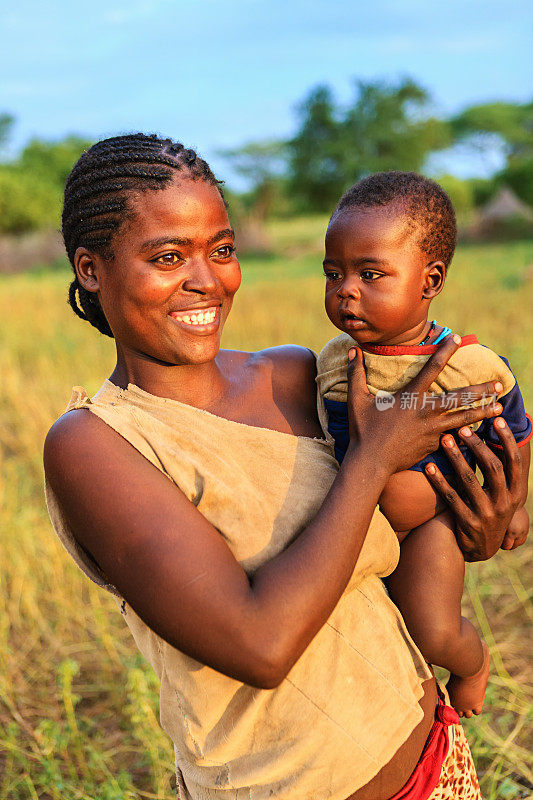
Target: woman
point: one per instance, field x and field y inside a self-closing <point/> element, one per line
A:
<point x="250" y="578"/>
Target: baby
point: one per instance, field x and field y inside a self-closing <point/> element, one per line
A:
<point x="389" y="244"/>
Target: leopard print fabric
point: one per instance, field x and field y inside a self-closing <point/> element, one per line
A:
<point x="458" y="780"/>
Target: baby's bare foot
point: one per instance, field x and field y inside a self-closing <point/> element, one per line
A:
<point x="467" y="694"/>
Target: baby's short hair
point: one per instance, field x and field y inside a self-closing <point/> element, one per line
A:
<point x="424" y="203"/>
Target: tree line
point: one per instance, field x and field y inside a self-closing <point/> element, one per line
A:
<point x="384" y="126"/>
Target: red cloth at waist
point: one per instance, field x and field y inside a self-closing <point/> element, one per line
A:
<point x="427" y="772"/>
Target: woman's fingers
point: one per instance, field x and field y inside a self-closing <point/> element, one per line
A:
<point x="458" y="398"/>
<point x="511" y="457"/>
<point x="469" y="484"/>
<point x="356" y="371"/>
<point x="448" y="493"/>
<point x="356" y="368"/>
<point x="488" y="462"/>
<point x="434" y="366"/>
<point x="473" y="547"/>
<point x="457" y="419"/>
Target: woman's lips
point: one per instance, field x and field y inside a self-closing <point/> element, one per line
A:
<point x="200" y="320"/>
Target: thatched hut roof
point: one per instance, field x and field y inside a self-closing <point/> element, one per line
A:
<point x="505" y="205"/>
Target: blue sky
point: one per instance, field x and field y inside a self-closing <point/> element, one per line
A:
<point x="217" y="74"/>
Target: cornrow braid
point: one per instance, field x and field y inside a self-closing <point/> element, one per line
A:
<point x="116" y="169"/>
<point x="89" y="308"/>
<point x="97" y="195"/>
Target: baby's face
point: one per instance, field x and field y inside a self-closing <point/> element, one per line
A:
<point x="377" y="277"/>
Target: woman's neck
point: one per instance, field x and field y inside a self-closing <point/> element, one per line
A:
<point x="199" y="385"/>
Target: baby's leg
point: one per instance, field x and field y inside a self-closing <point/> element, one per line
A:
<point x="427" y="587"/>
<point x="408" y="500"/>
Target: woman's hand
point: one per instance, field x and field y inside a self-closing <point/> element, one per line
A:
<point x="483" y="516"/>
<point x="403" y="433"/>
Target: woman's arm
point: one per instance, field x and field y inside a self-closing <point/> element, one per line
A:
<point x="175" y="570"/>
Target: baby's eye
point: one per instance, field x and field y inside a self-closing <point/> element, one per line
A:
<point x="370" y="275"/>
<point x="168" y="259"/>
<point x="225" y="251"/>
<point x="331" y="275"/>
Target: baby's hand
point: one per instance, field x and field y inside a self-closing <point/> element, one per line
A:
<point x="517" y="531"/>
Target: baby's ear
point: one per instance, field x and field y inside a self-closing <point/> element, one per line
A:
<point x="435" y="274"/>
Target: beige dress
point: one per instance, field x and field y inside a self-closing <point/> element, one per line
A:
<point x="352" y="698"/>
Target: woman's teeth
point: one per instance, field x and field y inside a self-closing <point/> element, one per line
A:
<point x="204" y="317"/>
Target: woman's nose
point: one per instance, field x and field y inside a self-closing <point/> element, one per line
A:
<point x="201" y="277"/>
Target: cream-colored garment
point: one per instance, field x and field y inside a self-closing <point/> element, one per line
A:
<point x="391" y="368"/>
<point x="351" y="699"/>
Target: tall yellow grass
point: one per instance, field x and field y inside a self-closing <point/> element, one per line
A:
<point x="78" y="707"/>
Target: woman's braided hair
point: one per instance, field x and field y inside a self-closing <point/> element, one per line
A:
<point x="97" y="193"/>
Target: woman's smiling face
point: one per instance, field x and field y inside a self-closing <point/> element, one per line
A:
<point x="170" y="285"/>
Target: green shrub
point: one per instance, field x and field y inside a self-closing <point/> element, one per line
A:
<point x="27" y="204"/>
<point x="461" y="195"/>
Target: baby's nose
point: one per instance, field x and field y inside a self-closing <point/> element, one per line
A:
<point x="349" y="288"/>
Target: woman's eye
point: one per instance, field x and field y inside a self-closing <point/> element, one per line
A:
<point x="226" y="251"/>
<point x="168" y="259"/>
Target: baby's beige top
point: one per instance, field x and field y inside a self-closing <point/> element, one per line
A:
<point x="352" y="698"/>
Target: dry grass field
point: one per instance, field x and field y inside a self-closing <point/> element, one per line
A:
<point x="78" y="706"/>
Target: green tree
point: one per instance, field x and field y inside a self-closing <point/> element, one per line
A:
<point x="461" y="194"/>
<point x="386" y="127"/>
<point x="511" y="123"/>
<point x="52" y="161"/>
<point x="519" y="176"/>
<point x="316" y="153"/>
<point x="6" y="123"/>
<point x="505" y="128"/>
<point x="26" y="204"/>
<point x="262" y="165"/>
<point x="31" y="185"/>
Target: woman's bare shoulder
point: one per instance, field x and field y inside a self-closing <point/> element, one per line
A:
<point x="291" y="368"/>
<point x="288" y="363"/>
<point x="293" y="372"/>
<point x="74" y="436"/>
<point x="286" y="375"/>
<point x="284" y="355"/>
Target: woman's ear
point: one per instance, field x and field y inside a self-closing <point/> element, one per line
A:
<point x="434" y="279"/>
<point x="84" y="264"/>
